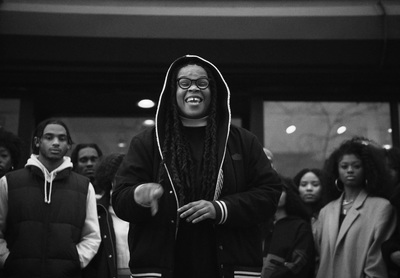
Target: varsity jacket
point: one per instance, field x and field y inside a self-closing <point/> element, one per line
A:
<point x="48" y="221"/>
<point x="104" y="263"/>
<point x="247" y="192"/>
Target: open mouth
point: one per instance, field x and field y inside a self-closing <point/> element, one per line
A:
<point x="193" y="100"/>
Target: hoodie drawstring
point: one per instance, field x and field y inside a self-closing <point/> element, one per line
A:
<point x="47" y="197"/>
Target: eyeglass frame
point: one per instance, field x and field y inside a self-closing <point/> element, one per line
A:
<point x="195" y="82"/>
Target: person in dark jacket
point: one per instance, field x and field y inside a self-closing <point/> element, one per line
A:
<point x="194" y="187"/>
<point x="112" y="258"/>
<point x="391" y="247"/>
<point x="288" y="247"/>
<point x="48" y="217"/>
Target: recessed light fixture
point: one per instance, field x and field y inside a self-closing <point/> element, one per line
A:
<point x="146" y="103"/>
<point x="341" y="130"/>
<point x="290" y="129"/>
<point x="148" y="122"/>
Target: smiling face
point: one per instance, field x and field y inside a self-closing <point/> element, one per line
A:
<point x="193" y="102"/>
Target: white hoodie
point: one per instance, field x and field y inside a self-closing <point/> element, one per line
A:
<point x="90" y="238"/>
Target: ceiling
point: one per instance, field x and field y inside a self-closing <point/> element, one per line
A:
<point x="118" y="51"/>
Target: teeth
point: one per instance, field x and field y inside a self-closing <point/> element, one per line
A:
<point x="193" y="100"/>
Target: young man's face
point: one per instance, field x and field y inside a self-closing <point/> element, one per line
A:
<point x="87" y="160"/>
<point x="53" y="144"/>
<point x="193" y="102"/>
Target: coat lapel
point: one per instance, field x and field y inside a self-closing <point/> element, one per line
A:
<point x="351" y="216"/>
<point x="333" y="223"/>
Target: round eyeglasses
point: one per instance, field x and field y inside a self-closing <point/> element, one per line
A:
<point x="201" y="83"/>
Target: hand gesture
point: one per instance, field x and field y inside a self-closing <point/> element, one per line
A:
<point x="147" y="195"/>
<point x="197" y="211"/>
<point x="395" y="257"/>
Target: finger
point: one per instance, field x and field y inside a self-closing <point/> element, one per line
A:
<point x="201" y="218"/>
<point x="154" y="207"/>
<point x="196" y="214"/>
<point x="190" y="211"/>
<point x="186" y="207"/>
<point x="156" y="193"/>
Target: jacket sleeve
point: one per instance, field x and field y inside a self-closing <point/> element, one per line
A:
<point x="383" y="229"/>
<point x="4" y="252"/>
<point x="90" y="242"/>
<point x="251" y="187"/>
<point x="388" y="247"/>
<point x="138" y="167"/>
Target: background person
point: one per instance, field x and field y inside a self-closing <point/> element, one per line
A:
<point x="48" y="218"/>
<point x="10" y="151"/>
<point x="112" y="257"/>
<point x="84" y="157"/>
<point x="391" y="247"/>
<point x="288" y="247"/>
<point x="351" y="228"/>
<point x="311" y="184"/>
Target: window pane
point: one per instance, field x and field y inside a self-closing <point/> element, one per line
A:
<point x="110" y="134"/>
<point x="9" y="114"/>
<point x="318" y="128"/>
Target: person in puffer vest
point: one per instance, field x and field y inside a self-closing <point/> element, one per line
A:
<point x="195" y="188"/>
<point x="48" y="215"/>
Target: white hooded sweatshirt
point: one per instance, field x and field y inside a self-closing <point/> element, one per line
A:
<point x="90" y="238"/>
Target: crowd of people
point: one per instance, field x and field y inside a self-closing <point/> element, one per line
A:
<point x="195" y="196"/>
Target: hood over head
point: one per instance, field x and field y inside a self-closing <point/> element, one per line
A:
<point x="217" y="83"/>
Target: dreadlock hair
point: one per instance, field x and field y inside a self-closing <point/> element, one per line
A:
<point x="176" y="149"/>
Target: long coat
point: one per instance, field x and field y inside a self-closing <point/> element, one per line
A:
<point x="354" y="249"/>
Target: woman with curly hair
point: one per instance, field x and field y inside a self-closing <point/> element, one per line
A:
<point x="288" y="247"/>
<point x="195" y="188"/>
<point x="10" y="151"/>
<point x="352" y="227"/>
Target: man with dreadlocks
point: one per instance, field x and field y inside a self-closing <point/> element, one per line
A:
<point x="195" y="188"/>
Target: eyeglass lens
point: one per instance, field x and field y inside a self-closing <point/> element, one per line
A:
<point x="185" y="83"/>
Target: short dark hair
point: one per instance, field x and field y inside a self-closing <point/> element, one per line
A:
<point x="13" y="144"/>
<point x="75" y="152"/>
<point x="38" y="133"/>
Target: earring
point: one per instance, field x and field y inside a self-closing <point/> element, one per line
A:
<point x="337" y="186"/>
<point x="366" y="182"/>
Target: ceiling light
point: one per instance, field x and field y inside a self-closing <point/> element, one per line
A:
<point x="148" y="122"/>
<point x="290" y="129"/>
<point x="146" y="103"/>
<point x="341" y="130"/>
